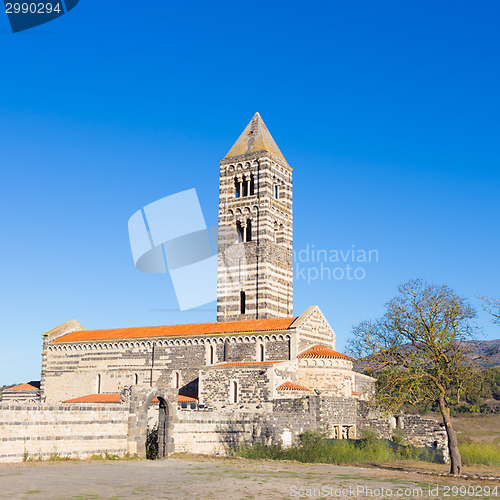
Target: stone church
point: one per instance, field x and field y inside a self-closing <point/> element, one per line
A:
<point x="257" y="374"/>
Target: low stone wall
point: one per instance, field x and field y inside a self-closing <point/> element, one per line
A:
<point x="70" y="430"/>
<point x="416" y="430"/>
<point x="213" y="432"/>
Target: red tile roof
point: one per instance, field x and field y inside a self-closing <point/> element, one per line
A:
<point x="244" y="363"/>
<point x="354" y="393"/>
<point x="96" y="398"/>
<point x="30" y="386"/>
<point x="115" y="398"/>
<point x="290" y="386"/>
<point x="254" y="325"/>
<point x="320" y="351"/>
<point x="186" y="399"/>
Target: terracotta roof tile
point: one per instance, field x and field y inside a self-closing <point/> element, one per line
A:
<point x="30" y="386"/>
<point x="96" y="398"/>
<point x="320" y="351"/>
<point x="115" y="398"/>
<point x="245" y="363"/>
<point x="354" y="393"/>
<point x="186" y="399"/>
<point x="255" y="325"/>
<point x="290" y="386"/>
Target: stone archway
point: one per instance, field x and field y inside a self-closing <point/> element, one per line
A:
<point x="140" y="399"/>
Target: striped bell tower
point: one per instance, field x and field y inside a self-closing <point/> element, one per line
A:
<point x="255" y="267"/>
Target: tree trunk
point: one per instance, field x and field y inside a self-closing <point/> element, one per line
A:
<point x="455" y="458"/>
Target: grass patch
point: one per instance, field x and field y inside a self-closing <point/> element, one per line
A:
<point x="315" y="448"/>
<point x="480" y="452"/>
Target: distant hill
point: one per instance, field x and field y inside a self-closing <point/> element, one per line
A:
<point x="489" y="349"/>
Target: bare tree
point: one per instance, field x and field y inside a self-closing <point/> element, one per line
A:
<point x="421" y="344"/>
<point x="492" y="306"/>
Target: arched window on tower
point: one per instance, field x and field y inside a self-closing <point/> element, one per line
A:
<point x="237" y="187"/>
<point x="244" y="190"/>
<point x="239" y="231"/>
<point x="242" y="302"/>
<point x="249" y="230"/>
<point x="276" y="191"/>
<point x="252" y="185"/>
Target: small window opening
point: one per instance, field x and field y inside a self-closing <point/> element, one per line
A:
<point x="276" y="191"/>
<point x="234" y="398"/>
<point x="237" y="188"/>
<point x="212" y="354"/>
<point x="136" y="379"/>
<point x="98" y="384"/>
<point x="245" y="188"/>
<point x="239" y="230"/>
<point x="261" y="352"/>
<point x="249" y="230"/>
<point x="177" y="380"/>
<point x="252" y="185"/>
<point x="242" y="302"/>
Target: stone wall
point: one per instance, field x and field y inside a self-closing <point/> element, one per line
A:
<point x="313" y="328"/>
<point x="416" y="430"/>
<point x="214" y="432"/>
<point x="333" y="377"/>
<point x="70" y="430"/>
<point x="76" y="370"/>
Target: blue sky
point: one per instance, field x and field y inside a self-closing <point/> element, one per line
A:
<point x="387" y="111"/>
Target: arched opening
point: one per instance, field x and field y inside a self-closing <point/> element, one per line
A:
<point x="252" y="185"/>
<point x="249" y="230"/>
<point x="157" y="433"/>
<point x="261" y="352"/>
<point x="98" y="383"/>
<point x="239" y="231"/>
<point x="245" y="187"/>
<point x="176" y="380"/>
<point x="135" y="379"/>
<point x="236" y="188"/>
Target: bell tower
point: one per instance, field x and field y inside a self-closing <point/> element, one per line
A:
<point x="255" y="266"/>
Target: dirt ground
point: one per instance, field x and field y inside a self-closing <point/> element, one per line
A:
<point x="217" y="478"/>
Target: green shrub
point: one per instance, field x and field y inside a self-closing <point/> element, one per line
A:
<point x="398" y="436"/>
<point x="152" y="443"/>
<point x="482" y="453"/>
<point x="315" y="448"/>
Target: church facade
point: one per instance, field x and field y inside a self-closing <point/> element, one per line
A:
<point x="257" y="374"/>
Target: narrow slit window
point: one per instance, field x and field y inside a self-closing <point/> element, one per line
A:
<point x="276" y="191"/>
<point x="242" y="302"/>
<point x="234" y="395"/>
<point x="98" y="384"/>
<point x="262" y="353"/>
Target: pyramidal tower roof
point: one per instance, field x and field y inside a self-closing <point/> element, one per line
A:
<point x="255" y="138"/>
